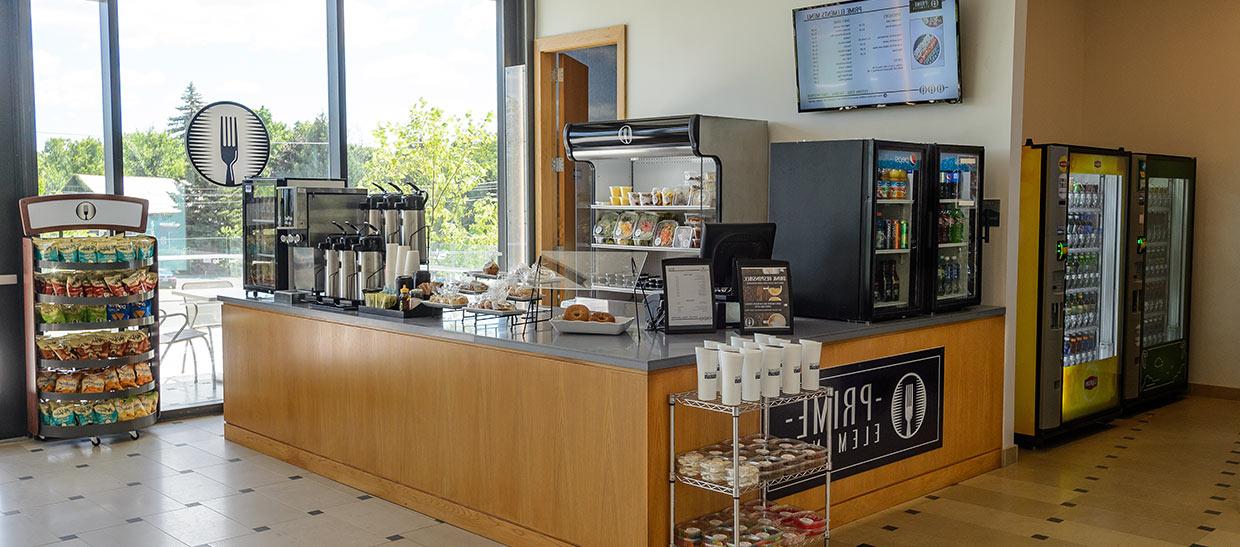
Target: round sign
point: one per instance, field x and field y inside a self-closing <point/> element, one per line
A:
<point x="227" y="143"/>
<point x="908" y="405"/>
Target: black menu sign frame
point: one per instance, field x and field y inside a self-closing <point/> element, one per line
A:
<point x="764" y="288"/>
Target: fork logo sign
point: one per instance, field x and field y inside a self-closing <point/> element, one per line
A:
<point x="908" y="405"/>
<point x="85" y="211"/>
<point x="227" y="143"/>
<point x="625" y="134"/>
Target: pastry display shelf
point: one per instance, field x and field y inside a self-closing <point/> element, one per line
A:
<point x="962" y="203"/>
<point x="94" y="300"/>
<point x="896" y="304"/>
<point x="128" y="265"/>
<point x="95" y="430"/>
<point x="78" y="364"/>
<point x="646" y="248"/>
<point x="891" y="251"/>
<point x="689" y="399"/>
<point x="116" y="394"/>
<point x="770" y="483"/>
<point x="654" y="208"/>
<point x="119" y="324"/>
<point x="953" y="244"/>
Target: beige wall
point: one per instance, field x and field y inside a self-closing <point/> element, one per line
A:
<point x="1153" y="77"/>
<point x="735" y="58"/>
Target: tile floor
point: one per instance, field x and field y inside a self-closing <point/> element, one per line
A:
<point x="182" y="484"/>
<point x="1170" y="476"/>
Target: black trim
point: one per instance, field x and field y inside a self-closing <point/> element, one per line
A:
<point x="113" y="148"/>
<point x="337" y="131"/>
<point x="933" y="303"/>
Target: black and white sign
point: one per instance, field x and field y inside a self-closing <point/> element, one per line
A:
<point x="227" y="143"/>
<point x="885" y="410"/>
<point x="689" y="298"/>
<point x="59" y="212"/>
<point x="765" y="296"/>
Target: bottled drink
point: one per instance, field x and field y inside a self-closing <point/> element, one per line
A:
<point x="904" y="241"/>
<point x="880" y="232"/>
<point x="957" y="226"/>
<point x="955" y="275"/>
<point x="895" y="283"/>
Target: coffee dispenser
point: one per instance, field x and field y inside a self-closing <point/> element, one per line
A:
<point x="369" y="250"/>
<point x="412" y="208"/>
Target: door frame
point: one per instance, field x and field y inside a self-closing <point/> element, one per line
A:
<point x="545" y="133"/>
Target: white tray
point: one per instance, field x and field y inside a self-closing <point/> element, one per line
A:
<point x="592" y="327"/>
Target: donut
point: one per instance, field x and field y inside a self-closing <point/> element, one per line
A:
<point x="577" y="312"/>
<point x="602" y="317"/>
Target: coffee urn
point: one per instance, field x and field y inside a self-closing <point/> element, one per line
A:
<point x="331" y="265"/>
<point x="412" y="207"/>
<point x="348" y="265"/>
<point x="369" y="250"/>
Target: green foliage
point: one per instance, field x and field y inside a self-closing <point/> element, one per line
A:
<point x="452" y="158"/>
<point x="62" y="158"/>
<point x="191" y="103"/>
<point x="152" y="153"/>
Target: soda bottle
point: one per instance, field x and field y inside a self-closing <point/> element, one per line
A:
<point x="957" y="226"/>
<point x="942" y="275"/>
<point x="942" y="185"/>
<point x="895" y="283"/>
<point x="880" y="232"/>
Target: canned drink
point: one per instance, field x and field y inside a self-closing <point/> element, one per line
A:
<point x="904" y="234"/>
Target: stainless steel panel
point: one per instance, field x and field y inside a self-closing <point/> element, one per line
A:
<point x="1054" y="244"/>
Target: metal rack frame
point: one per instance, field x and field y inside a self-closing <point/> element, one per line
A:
<point x="35" y="364"/>
<point x="689" y="399"/>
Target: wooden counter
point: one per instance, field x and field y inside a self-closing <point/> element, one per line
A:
<point x="531" y="449"/>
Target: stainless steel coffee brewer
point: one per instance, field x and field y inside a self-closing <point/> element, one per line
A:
<point x="413" y="232"/>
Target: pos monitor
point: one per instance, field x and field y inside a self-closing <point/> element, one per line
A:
<point x="724" y="244"/>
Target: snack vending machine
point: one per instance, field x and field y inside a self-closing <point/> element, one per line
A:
<point x="1070" y="300"/>
<point x="1159" y="255"/>
<point x="954" y="248"/>
<point x="852" y="222"/>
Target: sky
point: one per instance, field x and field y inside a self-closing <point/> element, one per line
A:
<point x="262" y="53"/>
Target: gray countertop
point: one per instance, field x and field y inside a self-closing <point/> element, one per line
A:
<point x="644" y="351"/>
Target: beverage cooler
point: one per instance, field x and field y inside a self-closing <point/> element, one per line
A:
<point x="1159" y="256"/>
<point x="852" y="218"/>
<point x="954" y="246"/>
<point x="1070" y="296"/>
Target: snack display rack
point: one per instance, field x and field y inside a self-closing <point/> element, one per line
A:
<point x="53" y="216"/>
<point x="736" y="489"/>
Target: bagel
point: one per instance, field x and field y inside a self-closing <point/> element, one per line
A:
<point x="602" y="317"/>
<point x="577" y="312"/>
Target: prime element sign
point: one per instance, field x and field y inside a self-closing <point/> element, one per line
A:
<point x="227" y="143"/>
<point x="885" y="410"/>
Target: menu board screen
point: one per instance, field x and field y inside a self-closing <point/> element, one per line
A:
<point x="765" y="296"/>
<point x="877" y="52"/>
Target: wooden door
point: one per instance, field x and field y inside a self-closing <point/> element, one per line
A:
<point x="572" y="105"/>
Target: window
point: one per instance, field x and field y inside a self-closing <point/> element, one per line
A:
<point x="68" y="95"/>
<point x="176" y="57"/>
<point x="421" y="105"/>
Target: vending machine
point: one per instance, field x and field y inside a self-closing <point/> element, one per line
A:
<point x="1070" y="300"/>
<point x="852" y="221"/>
<point x="953" y="257"/>
<point x="1159" y="255"/>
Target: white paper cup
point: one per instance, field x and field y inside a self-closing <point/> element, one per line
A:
<point x="730" y="377"/>
<point x="752" y="371"/>
<point x="753" y="345"/>
<point x="711" y="344"/>
<point x="763" y="339"/>
<point x="708" y="373"/>
<point x="736" y="341"/>
<point x="772" y="361"/>
<point x="811" y="359"/>
<point x="412" y="261"/>
<point x="791" y="376"/>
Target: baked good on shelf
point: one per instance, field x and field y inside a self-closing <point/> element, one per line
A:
<point x="577" y="312"/>
<point x="521" y="292"/>
<point x="602" y="317"/>
<point x="490" y="268"/>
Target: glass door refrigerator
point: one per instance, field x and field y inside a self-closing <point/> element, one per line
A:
<point x="953" y="254"/>
<point x="1160" y="243"/>
<point x="851" y="219"/>
<point x="1069" y="298"/>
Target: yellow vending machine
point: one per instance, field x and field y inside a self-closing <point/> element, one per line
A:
<point x="1069" y="301"/>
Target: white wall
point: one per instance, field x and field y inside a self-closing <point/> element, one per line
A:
<point x="735" y="58"/>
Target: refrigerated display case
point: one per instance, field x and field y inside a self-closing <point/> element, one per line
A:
<point x="954" y="248"/>
<point x="1070" y="301"/>
<point x="1160" y="242"/>
<point x="851" y="217"/>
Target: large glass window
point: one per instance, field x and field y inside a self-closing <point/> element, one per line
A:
<point x="421" y="104"/>
<point x="68" y="95"/>
<point x="176" y="57"/>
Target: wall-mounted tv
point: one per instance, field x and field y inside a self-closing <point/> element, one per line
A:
<point x="877" y="53"/>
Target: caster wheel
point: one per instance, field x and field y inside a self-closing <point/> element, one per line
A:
<point x="94" y="441"/>
<point x="134" y="435"/>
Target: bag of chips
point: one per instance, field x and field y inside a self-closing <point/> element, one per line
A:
<point x="46" y="381"/>
<point x="127" y="377"/>
<point x="84" y="414"/>
<point x="133" y="283"/>
<point x="73" y="285"/>
<point x="45" y="412"/>
<point x="95" y="287"/>
<point x="86" y="251"/>
<point x="60" y="349"/>
<point x="45" y="249"/>
<point x="62" y="415"/>
<point x="51" y="314"/>
<point x="144" y="247"/>
<point x="118" y="312"/>
<point x="68" y="249"/>
<point x="57" y="284"/>
<point x="129" y="408"/>
<point x="111" y="382"/>
<point x="150" y="402"/>
<point x="138" y="310"/>
<point x="68" y="382"/>
<point x="139" y="342"/>
<point x="105" y="412"/>
<point x="125" y="250"/>
<point x="142" y="373"/>
<point x="92" y="382"/>
<point x="100" y="346"/>
<point x="105" y="250"/>
<point x="152" y="281"/>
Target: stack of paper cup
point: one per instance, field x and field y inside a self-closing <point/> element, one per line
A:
<point x="753" y="345"/>
<point x="791" y="376"/>
<point x="730" y="377"/>
<point x="412" y="260"/>
<point x="708" y="373"/>
<point x="811" y="355"/>
<point x="736" y="341"/>
<point x="711" y="344"/>
<point x="391" y="265"/>
<point x="764" y="339"/>
<point x="772" y="361"/>
<point x="752" y="370"/>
